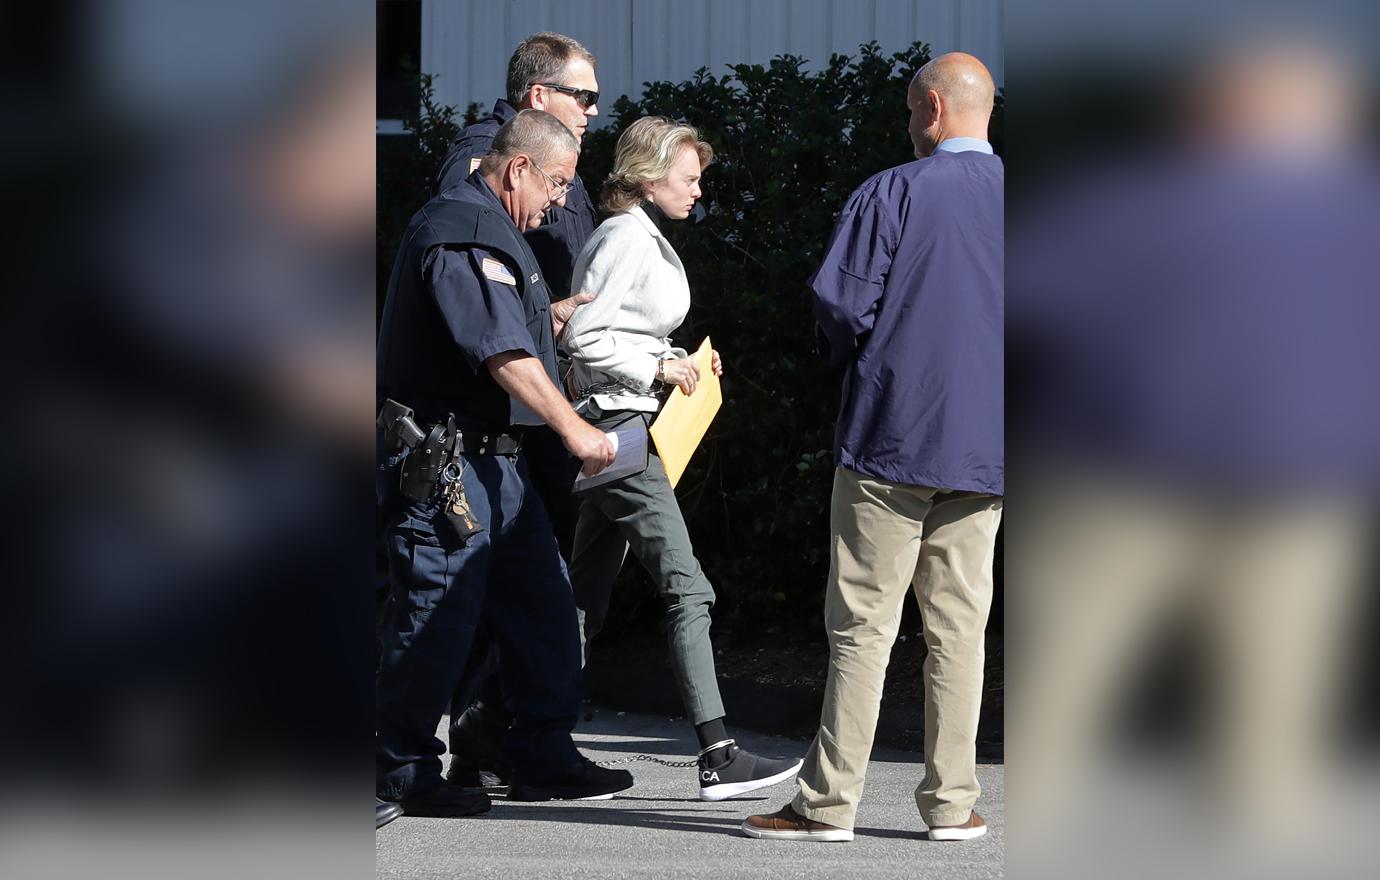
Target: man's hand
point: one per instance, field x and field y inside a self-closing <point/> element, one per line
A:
<point x="562" y="310"/>
<point x="523" y="377"/>
<point x="717" y="364"/>
<point x="590" y="445"/>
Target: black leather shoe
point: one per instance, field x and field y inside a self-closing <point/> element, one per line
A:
<point x="446" y="801"/>
<point x="584" y="781"/>
<point x="385" y="812"/>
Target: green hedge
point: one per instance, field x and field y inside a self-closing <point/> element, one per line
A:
<point x="790" y="146"/>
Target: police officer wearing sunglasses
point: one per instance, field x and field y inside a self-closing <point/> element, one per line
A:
<point x="554" y="73"/>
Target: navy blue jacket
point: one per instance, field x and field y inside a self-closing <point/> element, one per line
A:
<point x="564" y="230"/>
<point x="909" y="299"/>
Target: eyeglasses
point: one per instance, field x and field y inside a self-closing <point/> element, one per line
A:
<point x="561" y="188"/>
<point x="584" y="97"/>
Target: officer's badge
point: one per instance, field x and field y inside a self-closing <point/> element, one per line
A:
<point x="496" y="271"/>
<point x="474" y="163"/>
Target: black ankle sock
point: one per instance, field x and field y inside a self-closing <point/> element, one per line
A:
<point x="711" y="732"/>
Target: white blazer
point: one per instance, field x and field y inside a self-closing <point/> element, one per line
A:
<point x="641" y="296"/>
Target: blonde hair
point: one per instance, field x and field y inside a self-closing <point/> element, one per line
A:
<point x="645" y="153"/>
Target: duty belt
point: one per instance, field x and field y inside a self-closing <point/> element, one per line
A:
<point x="508" y="442"/>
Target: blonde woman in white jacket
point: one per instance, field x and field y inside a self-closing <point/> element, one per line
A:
<point x="622" y="360"/>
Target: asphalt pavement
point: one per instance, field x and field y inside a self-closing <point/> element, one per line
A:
<point x="660" y="829"/>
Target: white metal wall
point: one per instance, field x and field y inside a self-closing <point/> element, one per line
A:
<point x="466" y="43"/>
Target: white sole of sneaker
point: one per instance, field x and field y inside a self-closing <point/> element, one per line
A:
<point x="957" y="833"/>
<point x="838" y="835"/>
<point x="597" y="797"/>
<point x="725" y="790"/>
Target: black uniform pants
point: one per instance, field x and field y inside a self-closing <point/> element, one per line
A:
<point x="552" y="470"/>
<point x="510" y="580"/>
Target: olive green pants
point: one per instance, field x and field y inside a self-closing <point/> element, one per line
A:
<point x="641" y="513"/>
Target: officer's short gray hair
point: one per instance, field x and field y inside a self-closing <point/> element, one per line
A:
<point x="541" y="58"/>
<point x="535" y="134"/>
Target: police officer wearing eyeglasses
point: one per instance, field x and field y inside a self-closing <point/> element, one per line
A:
<point x="466" y="363"/>
<point x="553" y="73"/>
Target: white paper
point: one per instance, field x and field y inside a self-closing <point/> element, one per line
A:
<point x="629" y="457"/>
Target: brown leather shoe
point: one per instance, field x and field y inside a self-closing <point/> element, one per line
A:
<point x="787" y="824"/>
<point x="974" y="827"/>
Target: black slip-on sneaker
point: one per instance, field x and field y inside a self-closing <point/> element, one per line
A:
<point x="728" y="771"/>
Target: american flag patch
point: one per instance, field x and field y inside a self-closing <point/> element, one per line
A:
<point x="496" y="271"/>
<point x="474" y="163"/>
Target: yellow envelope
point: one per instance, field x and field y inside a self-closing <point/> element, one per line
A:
<point x="683" y="421"/>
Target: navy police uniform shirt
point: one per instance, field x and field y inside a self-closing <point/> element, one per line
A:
<point x="432" y="358"/>
<point x="564" y="229"/>
<point x="909" y="299"/>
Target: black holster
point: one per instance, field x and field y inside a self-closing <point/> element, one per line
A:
<point x="430" y="450"/>
<point x="421" y="469"/>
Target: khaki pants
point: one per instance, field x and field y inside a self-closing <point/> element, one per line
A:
<point x="886" y="537"/>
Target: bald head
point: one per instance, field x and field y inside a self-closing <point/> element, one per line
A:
<point x="949" y="97"/>
<point x="960" y="80"/>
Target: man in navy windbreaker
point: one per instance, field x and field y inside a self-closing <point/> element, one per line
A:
<point x="909" y="301"/>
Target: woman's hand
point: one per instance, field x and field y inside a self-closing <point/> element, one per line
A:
<point x="682" y="373"/>
<point x="717" y="364"/>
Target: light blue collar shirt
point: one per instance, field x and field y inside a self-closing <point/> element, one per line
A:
<point x="963" y="145"/>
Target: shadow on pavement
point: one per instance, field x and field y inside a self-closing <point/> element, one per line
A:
<point x="620" y="818"/>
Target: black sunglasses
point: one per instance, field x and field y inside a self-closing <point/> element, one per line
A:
<point x="583" y="97"/>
